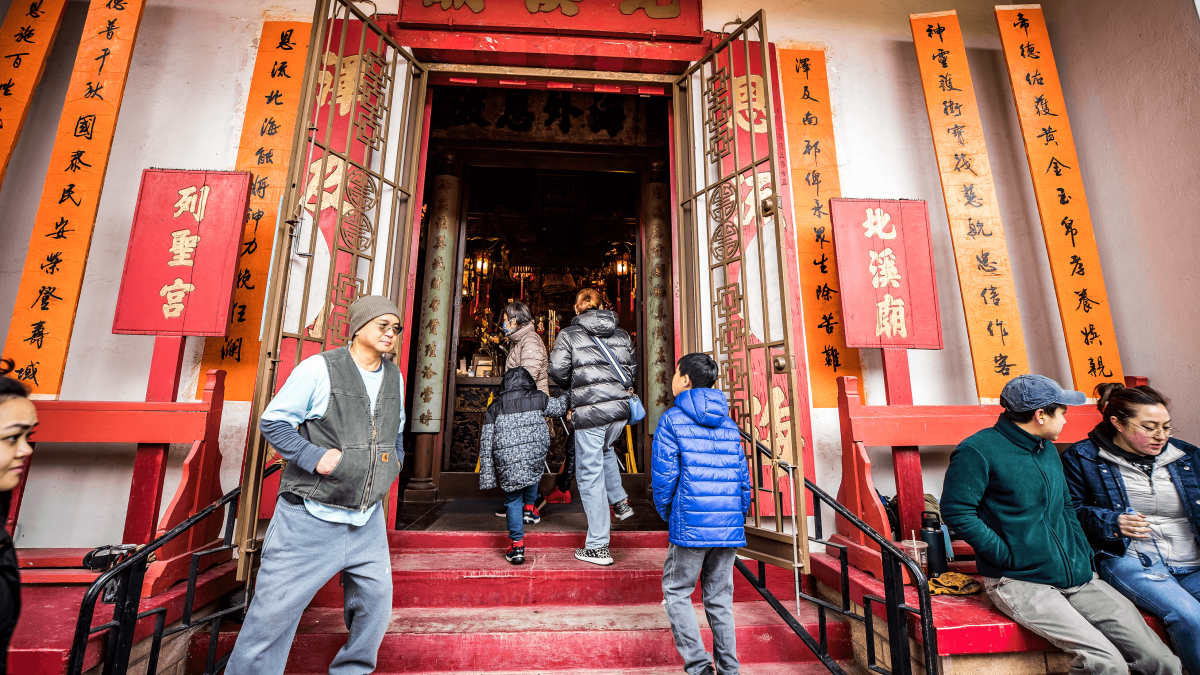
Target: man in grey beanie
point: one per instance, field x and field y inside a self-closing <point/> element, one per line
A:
<point x="337" y="422"/>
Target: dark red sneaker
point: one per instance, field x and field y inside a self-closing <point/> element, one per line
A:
<point x="531" y="515"/>
<point x="559" y="497"/>
<point x="515" y="553"/>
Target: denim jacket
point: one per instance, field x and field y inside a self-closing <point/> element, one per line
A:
<point x="1098" y="492"/>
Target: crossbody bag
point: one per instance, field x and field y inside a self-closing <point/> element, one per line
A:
<point x="637" y="412"/>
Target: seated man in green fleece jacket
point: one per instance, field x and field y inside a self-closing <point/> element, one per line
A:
<point x="1005" y="495"/>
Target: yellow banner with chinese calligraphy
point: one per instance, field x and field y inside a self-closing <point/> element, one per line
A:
<point x="25" y="41"/>
<point x="1058" y="185"/>
<point x="812" y="159"/>
<point x="264" y="151"/>
<point x="40" y="333"/>
<point x="980" y="253"/>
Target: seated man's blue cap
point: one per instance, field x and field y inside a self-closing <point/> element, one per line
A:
<point x="1031" y="392"/>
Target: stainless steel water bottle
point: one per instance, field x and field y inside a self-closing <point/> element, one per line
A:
<point x="931" y="534"/>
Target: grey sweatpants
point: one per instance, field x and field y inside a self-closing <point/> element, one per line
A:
<point x="599" y="478"/>
<point x="301" y="553"/>
<point x="1098" y="626"/>
<point x="714" y="569"/>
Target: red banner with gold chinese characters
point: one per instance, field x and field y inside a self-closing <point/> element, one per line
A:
<point x="980" y="252"/>
<point x="264" y="151"/>
<point x="40" y="333"/>
<point x="813" y="160"/>
<point x="1058" y="185"/>
<point x="25" y="41"/>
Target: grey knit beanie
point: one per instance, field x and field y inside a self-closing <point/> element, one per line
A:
<point x="369" y="307"/>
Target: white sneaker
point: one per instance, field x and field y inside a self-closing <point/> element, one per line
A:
<point x="598" y="556"/>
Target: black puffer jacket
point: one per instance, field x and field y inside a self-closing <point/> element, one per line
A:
<point x="578" y="365"/>
<point x="10" y="584"/>
<point x="514" y="439"/>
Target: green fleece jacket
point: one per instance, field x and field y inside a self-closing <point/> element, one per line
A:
<point x="1005" y="495"/>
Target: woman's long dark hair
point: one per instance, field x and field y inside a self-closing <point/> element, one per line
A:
<point x="10" y="387"/>
<point x="1117" y="400"/>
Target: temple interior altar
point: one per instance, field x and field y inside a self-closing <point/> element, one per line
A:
<point x="537" y="237"/>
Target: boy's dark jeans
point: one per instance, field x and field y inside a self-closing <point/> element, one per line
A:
<point x="714" y="568"/>
<point x="515" y="503"/>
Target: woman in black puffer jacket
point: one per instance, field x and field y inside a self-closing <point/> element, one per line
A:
<point x="599" y="410"/>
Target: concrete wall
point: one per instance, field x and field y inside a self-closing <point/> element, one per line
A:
<point x="1127" y="70"/>
<point x="1133" y="117"/>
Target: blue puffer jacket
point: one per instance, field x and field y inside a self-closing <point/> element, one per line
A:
<point x="700" y="480"/>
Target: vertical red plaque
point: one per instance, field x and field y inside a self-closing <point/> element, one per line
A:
<point x="181" y="266"/>
<point x="886" y="274"/>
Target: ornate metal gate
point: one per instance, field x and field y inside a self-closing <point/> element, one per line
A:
<point x="734" y="272"/>
<point x="346" y="222"/>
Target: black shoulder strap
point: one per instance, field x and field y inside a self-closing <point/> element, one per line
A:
<point x="612" y="362"/>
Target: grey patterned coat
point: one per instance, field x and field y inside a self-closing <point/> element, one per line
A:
<point x="515" y="438"/>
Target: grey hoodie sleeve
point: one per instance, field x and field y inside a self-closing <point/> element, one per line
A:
<point x="487" y="469"/>
<point x="557" y="407"/>
<point x="291" y="445"/>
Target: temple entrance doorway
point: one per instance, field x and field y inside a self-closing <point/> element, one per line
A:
<point x="543" y="211"/>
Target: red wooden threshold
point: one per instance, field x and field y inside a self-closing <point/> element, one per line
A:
<point x="51" y="557"/>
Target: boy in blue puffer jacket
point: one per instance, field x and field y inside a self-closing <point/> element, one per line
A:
<point x="702" y="489"/>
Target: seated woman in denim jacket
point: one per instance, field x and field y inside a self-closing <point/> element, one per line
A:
<point x="1128" y="461"/>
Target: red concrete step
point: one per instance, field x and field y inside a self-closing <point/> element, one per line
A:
<point x="549" y="638"/>
<point x="801" y="668"/>
<point x="42" y="641"/>
<point x="53" y="576"/>
<point x="413" y="540"/>
<point x="965" y="624"/>
<point x="479" y="577"/>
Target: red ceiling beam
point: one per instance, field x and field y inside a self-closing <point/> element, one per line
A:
<point x="546" y="51"/>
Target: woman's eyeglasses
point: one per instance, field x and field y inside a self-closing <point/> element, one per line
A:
<point x="1165" y="431"/>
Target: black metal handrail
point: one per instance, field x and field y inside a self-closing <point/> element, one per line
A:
<point x="128" y="576"/>
<point x="895" y="605"/>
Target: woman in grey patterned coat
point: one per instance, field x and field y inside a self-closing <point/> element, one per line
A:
<point x="512" y="450"/>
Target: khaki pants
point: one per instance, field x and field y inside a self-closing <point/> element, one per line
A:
<point x="1098" y="626"/>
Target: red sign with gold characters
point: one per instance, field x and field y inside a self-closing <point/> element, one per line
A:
<point x="183" y="251"/>
<point x="885" y="270"/>
<point x="650" y="19"/>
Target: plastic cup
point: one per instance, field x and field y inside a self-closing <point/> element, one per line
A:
<point x="918" y="551"/>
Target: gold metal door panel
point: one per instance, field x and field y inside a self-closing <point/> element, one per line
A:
<point x="347" y="214"/>
<point x="734" y="273"/>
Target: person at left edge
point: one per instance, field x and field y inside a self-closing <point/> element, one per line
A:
<point x="337" y="422"/>
<point x="18" y="419"/>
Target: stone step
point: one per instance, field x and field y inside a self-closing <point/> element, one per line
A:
<point x="481" y="577"/>
<point x="497" y="639"/>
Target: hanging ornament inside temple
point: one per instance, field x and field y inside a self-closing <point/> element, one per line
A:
<point x="522" y="273"/>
